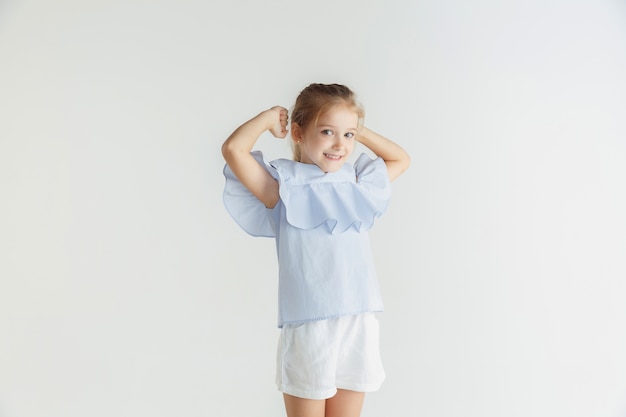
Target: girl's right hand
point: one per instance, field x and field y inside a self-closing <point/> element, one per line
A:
<point x="279" y="127"/>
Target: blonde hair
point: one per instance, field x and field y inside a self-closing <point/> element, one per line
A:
<point x="316" y="99"/>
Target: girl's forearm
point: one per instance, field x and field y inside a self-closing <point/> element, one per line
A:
<point x="246" y="135"/>
<point x="396" y="158"/>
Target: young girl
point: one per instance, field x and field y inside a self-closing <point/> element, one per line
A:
<point x="319" y="208"/>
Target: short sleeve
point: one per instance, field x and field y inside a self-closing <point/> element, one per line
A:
<point x="372" y="176"/>
<point x="247" y="210"/>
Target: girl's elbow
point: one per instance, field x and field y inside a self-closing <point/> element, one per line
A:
<point x="225" y="150"/>
<point x="229" y="152"/>
<point x="405" y="162"/>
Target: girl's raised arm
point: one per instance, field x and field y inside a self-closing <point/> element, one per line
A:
<point x="236" y="150"/>
<point x="396" y="159"/>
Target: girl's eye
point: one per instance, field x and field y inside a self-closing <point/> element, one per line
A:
<point x="327" y="132"/>
<point x="349" y="135"/>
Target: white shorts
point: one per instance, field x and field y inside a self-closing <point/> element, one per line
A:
<point x="317" y="358"/>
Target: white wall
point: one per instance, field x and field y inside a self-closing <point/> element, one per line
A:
<point x="126" y="290"/>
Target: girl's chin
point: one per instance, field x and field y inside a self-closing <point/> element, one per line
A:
<point x="332" y="168"/>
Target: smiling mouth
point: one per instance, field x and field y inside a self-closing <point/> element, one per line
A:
<point x="333" y="157"/>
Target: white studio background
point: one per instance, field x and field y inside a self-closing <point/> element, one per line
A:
<point x="127" y="291"/>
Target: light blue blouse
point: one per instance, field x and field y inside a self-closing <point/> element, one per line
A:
<point x="320" y="224"/>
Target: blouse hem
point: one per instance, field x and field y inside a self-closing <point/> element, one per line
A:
<point x="328" y="317"/>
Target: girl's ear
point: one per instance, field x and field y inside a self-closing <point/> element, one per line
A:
<point x="296" y="133"/>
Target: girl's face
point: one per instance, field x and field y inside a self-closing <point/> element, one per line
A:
<point x="329" y="143"/>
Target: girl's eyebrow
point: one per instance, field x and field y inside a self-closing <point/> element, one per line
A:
<point x="334" y="127"/>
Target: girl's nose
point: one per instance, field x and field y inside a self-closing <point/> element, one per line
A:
<point x="338" y="144"/>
